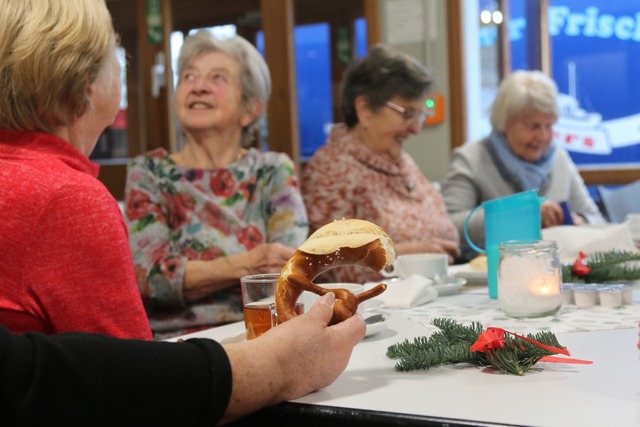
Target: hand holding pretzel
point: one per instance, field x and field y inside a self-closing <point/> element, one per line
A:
<point x="341" y="242"/>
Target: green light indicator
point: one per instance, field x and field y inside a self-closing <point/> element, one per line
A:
<point x="430" y="103"/>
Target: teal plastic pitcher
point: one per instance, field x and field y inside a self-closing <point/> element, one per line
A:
<point x="515" y="217"/>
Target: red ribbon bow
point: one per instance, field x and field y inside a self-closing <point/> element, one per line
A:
<point x="493" y="338"/>
<point x="579" y="269"/>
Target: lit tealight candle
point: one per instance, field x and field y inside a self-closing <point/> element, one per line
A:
<point x="529" y="278"/>
<point x="545" y="287"/>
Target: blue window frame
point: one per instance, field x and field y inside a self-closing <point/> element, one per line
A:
<point x="313" y="80"/>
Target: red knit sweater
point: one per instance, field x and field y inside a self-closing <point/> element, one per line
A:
<point x="65" y="263"/>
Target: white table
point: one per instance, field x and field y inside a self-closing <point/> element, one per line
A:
<point x="606" y="393"/>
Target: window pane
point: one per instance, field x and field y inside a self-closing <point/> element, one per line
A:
<point x="313" y="85"/>
<point x="313" y="77"/>
<point x="595" y="48"/>
<point x="518" y="35"/>
<point x="596" y="58"/>
<point x="489" y="58"/>
<point x="113" y="142"/>
<point x="361" y="37"/>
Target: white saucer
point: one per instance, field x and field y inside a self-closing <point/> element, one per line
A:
<point x="377" y="327"/>
<point x="465" y="271"/>
<point x="450" y="286"/>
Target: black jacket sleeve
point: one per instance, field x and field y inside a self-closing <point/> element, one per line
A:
<point x="95" y="380"/>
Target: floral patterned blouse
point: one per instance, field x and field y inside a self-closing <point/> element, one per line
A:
<point x="176" y="214"/>
<point x="346" y="179"/>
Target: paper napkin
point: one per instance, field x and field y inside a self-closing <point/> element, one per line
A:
<point x="589" y="238"/>
<point x="410" y="292"/>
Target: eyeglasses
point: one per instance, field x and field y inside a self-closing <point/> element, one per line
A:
<point x="409" y="115"/>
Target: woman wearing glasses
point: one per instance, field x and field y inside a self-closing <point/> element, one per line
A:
<point x="363" y="171"/>
<point x="518" y="155"/>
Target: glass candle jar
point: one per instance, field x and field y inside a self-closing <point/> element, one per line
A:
<point x="529" y="278"/>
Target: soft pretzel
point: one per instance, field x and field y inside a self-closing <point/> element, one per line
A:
<point x="341" y="242"/>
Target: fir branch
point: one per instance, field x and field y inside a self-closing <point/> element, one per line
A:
<point x="606" y="267"/>
<point x="452" y="342"/>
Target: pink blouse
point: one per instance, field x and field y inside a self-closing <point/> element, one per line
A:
<point x="346" y="179"/>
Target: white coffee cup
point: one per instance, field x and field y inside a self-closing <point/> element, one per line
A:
<point x="309" y="298"/>
<point x="431" y="266"/>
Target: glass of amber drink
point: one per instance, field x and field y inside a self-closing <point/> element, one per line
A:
<point x="258" y="301"/>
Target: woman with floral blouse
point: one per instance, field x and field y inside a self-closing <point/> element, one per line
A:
<point x="363" y="170"/>
<point x="202" y="217"/>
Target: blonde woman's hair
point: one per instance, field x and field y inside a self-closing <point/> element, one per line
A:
<point x="523" y="92"/>
<point x="50" y="51"/>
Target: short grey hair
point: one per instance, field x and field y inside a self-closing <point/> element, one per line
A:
<point x="255" y="78"/>
<point x="523" y="92"/>
<point x="383" y="74"/>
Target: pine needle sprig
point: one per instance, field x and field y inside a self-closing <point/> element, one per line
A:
<point x="507" y="361"/>
<point x="451" y="344"/>
<point x="604" y="267"/>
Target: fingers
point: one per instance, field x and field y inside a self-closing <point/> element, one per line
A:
<point x="324" y="307"/>
<point x="278" y="254"/>
<point x="550" y="213"/>
<point x="281" y="250"/>
<point x="578" y="219"/>
<point x="451" y="248"/>
<point x="448" y="247"/>
<point x="353" y="329"/>
<point x="270" y="257"/>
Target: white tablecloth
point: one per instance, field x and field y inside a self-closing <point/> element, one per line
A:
<point x="473" y="304"/>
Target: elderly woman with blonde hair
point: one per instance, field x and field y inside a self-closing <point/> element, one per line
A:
<point x="219" y="208"/>
<point x="518" y="155"/>
<point x="65" y="263"/>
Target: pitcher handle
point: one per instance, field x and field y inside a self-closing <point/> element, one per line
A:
<point x="466" y="232"/>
